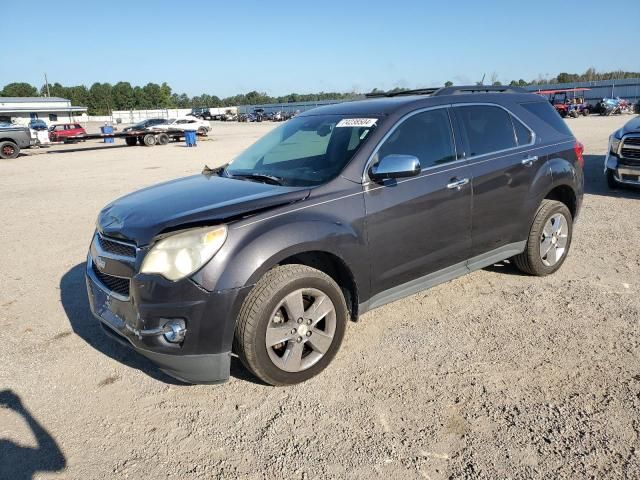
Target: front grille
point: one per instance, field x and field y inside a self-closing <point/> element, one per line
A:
<point x="630" y="153"/>
<point x="630" y="148"/>
<point x="115" y="284"/>
<point x="116" y="248"/>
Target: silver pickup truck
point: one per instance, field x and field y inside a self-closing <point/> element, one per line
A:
<point x="12" y="139"/>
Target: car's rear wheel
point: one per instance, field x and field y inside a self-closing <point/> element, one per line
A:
<point x="291" y="325"/>
<point x="149" y="140"/>
<point x="549" y="240"/>
<point x="203" y="131"/>
<point x="163" y="139"/>
<point x="9" y="150"/>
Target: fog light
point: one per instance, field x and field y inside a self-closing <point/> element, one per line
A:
<point x="175" y="330"/>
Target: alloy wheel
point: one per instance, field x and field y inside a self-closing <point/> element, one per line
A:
<point x="553" y="241"/>
<point x="301" y="330"/>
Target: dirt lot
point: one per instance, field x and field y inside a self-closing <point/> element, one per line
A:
<point x="494" y="375"/>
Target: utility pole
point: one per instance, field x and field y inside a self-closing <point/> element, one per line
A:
<point x="46" y="82"/>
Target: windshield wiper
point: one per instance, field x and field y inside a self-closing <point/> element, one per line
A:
<point x="261" y="177"/>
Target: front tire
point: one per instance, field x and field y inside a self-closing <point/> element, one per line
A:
<point x="549" y="240"/>
<point x="291" y="325"/>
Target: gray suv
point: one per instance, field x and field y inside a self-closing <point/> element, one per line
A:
<point x="337" y="211"/>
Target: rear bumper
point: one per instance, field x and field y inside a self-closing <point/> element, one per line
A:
<point x="137" y="321"/>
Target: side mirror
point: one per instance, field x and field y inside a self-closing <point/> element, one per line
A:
<point x="395" y="166"/>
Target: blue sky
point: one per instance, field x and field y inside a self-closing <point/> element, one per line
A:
<point x="223" y="48"/>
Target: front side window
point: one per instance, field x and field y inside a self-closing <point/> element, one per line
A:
<point x="304" y="151"/>
<point x="425" y="135"/>
<point x="488" y="129"/>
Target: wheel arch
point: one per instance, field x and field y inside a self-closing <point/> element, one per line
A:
<point x="335" y="267"/>
<point x="564" y="193"/>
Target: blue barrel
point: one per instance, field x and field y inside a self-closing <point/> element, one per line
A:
<point x="190" y="138"/>
<point x="107" y="129"/>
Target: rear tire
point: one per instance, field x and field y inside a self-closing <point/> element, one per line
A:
<point x="203" y="131"/>
<point x="163" y="139"/>
<point x="9" y="150"/>
<point x="149" y="140"/>
<point x="549" y="240"/>
<point x="308" y="342"/>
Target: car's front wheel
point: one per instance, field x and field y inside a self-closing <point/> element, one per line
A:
<point x="291" y="325"/>
<point x="549" y="240"/>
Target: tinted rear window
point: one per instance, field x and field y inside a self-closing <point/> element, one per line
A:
<point x="545" y="112"/>
<point x="488" y="129"/>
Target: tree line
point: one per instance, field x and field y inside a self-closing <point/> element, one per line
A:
<point x="103" y="98"/>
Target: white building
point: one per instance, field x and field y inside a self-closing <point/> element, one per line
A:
<point x="50" y="109"/>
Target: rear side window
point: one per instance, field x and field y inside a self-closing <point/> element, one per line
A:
<point x="488" y="129"/>
<point x="545" y="112"/>
<point x="523" y="134"/>
<point x="425" y="135"/>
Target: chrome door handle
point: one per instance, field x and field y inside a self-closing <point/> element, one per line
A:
<point x="527" y="162"/>
<point x="457" y="183"/>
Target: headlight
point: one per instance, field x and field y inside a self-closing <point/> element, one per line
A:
<point x="614" y="143"/>
<point x="181" y="254"/>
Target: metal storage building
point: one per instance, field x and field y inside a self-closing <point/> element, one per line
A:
<point x="50" y="109"/>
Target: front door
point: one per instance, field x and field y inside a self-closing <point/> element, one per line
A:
<point x="419" y="225"/>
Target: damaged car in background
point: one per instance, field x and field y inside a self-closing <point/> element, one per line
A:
<point x="622" y="162"/>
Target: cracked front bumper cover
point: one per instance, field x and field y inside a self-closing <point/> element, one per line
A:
<point x="138" y="322"/>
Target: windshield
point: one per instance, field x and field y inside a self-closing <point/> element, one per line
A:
<point x="304" y="151"/>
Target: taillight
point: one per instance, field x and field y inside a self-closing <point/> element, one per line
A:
<point x="578" y="148"/>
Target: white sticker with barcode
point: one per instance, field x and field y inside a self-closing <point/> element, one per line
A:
<point x="357" y="122"/>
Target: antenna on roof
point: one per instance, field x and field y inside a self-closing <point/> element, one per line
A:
<point x="46" y="82"/>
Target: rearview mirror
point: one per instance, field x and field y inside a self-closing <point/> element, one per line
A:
<point x="395" y="166"/>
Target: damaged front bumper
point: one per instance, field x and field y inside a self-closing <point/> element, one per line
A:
<point x="143" y="319"/>
<point x="624" y="171"/>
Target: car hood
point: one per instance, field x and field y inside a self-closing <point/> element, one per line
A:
<point x="632" y="126"/>
<point x="190" y="201"/>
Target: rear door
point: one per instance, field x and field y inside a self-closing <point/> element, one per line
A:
<point x="498" y="147"/>
<point x="419" y="225"/>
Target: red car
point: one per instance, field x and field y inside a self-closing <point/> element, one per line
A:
<point x="61" y="131"/>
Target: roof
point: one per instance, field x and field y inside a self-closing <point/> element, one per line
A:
<point x="32" y="99"/>
<point x="387" y="105"/>
<point x="61" y="108"/>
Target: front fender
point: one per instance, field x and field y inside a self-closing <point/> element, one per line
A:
<point x="252" y="248"/>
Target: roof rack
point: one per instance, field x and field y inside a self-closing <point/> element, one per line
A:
<point x="459" y="90"/>
<point x="417" y="91"/>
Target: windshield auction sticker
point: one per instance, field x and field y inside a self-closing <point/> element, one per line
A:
<point x="357" y="122"/>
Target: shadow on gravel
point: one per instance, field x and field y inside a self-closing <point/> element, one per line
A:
<point x="506" y="267"/>
<point x="79" y="148"/>
<point x="73" y="295"/>
<point x="595" y="182"/>
<point x="18" y="462"/>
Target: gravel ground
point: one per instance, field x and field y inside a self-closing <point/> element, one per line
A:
<point x="494" y="375"/>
